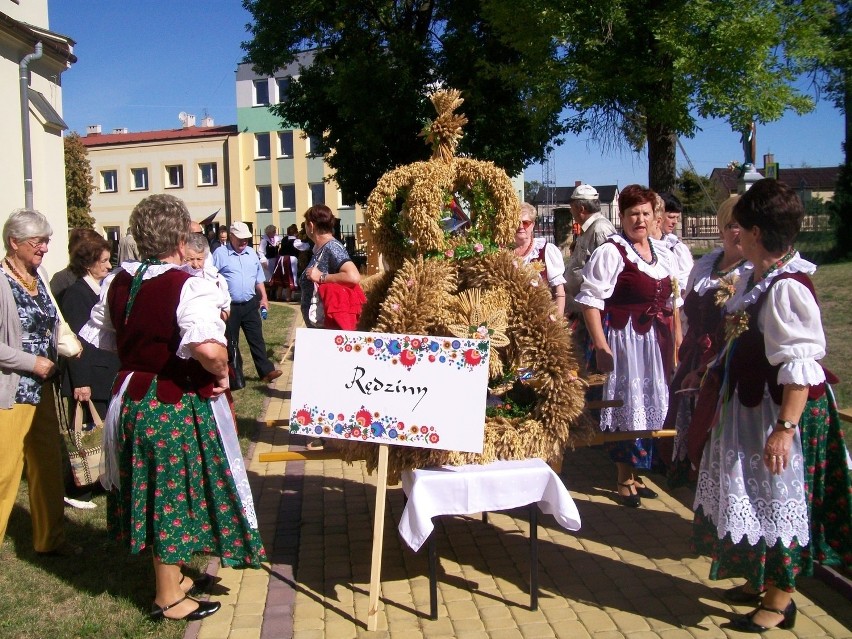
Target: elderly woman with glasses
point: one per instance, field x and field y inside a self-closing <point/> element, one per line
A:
<point x="29" y="429"/>
<point x="537" y="249"/>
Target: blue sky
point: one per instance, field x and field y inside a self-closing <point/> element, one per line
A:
<point x="141" y="63"/>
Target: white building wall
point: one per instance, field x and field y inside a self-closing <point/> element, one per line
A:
<point x="48" y="161"/>
<point x="32" y="12"/>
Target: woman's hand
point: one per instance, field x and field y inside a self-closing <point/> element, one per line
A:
<point x="776" y="453"/>
<point x="221" y="385"/>
<point x="83" y="393"/>
<point x="692" y="380"/>
<point x="44" y="368"/>
<point x="314" y="274"/>
<point x="603" y="359"/>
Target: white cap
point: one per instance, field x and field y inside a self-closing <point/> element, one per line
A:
<point x="241" y="230"/>
<point x="585" y="192"/>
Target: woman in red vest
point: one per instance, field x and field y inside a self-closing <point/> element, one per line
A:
<point x="173" y="461"/>
<point x="773" y="489"/>
<point x="627" y="299"/>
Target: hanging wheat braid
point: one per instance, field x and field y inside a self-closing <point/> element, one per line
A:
<point x="446" y="283"/>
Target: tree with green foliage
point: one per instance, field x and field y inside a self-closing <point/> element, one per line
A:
<point x="531" y="189"/>
<point x="838" y="85"/>
<point x="78" y="183"/>
<point x="365" y="94"/>
<point x="695" y="193"/>
<point x="643" y="71"/>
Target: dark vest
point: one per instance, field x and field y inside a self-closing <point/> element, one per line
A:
<point x="704" y="337"/>
<point x="749" y="370"/>
<point x="641" y="298"/>
<point x="288" y="248"/>
<point x="539" y="257"/>
<point x="149" y="338"/>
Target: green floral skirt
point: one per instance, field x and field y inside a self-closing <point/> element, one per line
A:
<point x="828" y="492"/>
<point x="177" y="494"/>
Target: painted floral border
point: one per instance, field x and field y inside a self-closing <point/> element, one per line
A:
<point x="364" y="425"/>
<point x="409" y="351"/>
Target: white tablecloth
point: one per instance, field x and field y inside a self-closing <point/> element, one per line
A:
<point x="462" y="490"/>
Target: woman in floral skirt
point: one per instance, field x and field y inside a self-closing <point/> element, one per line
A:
<point x="173" y="462"/>
<point x="773" y="487"/>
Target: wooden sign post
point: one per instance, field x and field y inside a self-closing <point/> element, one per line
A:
<point x="402" y="390"/>
<point x="378" y="539"/>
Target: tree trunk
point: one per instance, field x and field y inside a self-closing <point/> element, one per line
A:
<point x="847" y="117"/>
<point x="662" y="146"/>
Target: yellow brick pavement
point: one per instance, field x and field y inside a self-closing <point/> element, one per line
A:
<point x="626" y="573"/>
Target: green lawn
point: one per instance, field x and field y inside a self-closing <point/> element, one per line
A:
<point x="105" y="593"/>
<point x="832" y="283"/>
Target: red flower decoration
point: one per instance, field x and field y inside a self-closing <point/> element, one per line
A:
<point x="472" y="357"/>
<point x="338" y="340"/>
<point x="407" y="358"/>
<point x="364" y="418"/>
<point x="303" y="417"/>
<point x="433" y="438"/>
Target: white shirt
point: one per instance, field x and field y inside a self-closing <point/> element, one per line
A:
<point x="601" y="272"/>
<point x="197" y="312"/>
<point x="554" y="265"/>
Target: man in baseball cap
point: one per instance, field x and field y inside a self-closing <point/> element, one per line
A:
<point x="585" y="192"/>
<point x="239" y="264"/>
<point x="594" y="230"/>
<point x="240" y="230"/>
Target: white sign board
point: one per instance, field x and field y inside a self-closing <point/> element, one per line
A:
<point x="407" y="390"/>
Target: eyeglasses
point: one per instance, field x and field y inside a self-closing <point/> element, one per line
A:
<point x="733" y="226"/>
<point x="525" y="224"/>
<point x="39" y="241"/>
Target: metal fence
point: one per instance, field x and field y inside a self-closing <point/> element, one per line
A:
<point x="705" y="226"/>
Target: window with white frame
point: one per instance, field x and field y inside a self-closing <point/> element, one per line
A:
<point x="207" y="174"/>
<point x="288" y="197"/>
<point x="261" y="92"/>
<point x="264" y="198"/>
<point x="283" y="88"/>
<point x="109" y="181"/>
<point x="261" y="146"/>
<point x="139" y="179"/>
<point x="313" y="145"/>
<point x="317" y="191"/>
<point x="345" y="201"/>
<point x="285" y="144"/>
<point x="174" y="176"/>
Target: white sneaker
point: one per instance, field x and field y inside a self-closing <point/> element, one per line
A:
<point x="83" y="505"/>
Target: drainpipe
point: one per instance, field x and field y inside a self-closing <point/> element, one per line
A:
<point x="25" y="124"/>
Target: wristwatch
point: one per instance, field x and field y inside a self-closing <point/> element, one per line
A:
<point x="785" y="425"/>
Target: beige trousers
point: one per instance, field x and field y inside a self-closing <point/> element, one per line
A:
<point x="31" y="433"/>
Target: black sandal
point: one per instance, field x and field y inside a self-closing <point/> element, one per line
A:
<point x="643" y="491"/>
<point x="199" y="586"/>
<point x="205" y="609"/>
<point x="632" y="500"/>
<point x="745" y="623"/>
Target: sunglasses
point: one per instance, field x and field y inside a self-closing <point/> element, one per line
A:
<point x="526" y="224"/>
